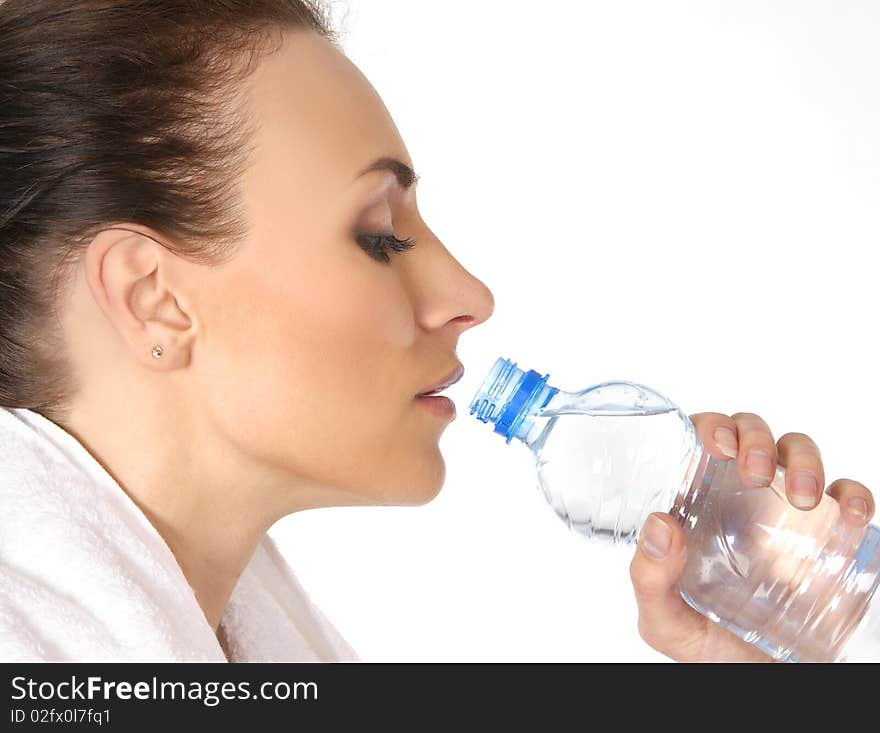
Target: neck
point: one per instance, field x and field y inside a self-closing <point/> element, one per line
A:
<point x="211" y="508"/>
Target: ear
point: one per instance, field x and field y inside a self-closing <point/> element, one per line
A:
<point x="130" y="275"/>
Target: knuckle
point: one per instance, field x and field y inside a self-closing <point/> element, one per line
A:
<point x="716" y="416"/>
<point x="751" y="421"/>
<point x="843" y="489"/>
<point x="647" y="594"/>
<point x="759" y="439"/>
<point x="811" y="467"/>
<point x="642" y="586"/>
<point x="649" y="635"/>
<point x="635" y="576"/>
<point x="849" y="485"/>
<point x="754" y="430"/>
<point x="799" y="438"/>
<point x="804" y="461"/>
<point x="745" y="417"/>
<point x="704" y="420"/>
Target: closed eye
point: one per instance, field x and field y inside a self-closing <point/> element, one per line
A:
<point x="378" y="245"/>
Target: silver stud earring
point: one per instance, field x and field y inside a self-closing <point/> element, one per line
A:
<point x="157" y="352"/>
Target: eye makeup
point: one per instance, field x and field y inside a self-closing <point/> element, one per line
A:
<point x="379" y="245"/>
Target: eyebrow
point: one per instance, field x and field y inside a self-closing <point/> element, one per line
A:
<point x="405" y="175"/>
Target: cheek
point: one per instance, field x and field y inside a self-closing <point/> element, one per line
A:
<point x="310" y="363"/>
<point x="346" y="331"/>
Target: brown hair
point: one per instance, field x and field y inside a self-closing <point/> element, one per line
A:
<point x="117" y="111"/>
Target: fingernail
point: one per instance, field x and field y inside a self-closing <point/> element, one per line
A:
<point x="760" y="467"/>
<point x="858" y="506"/>
<point x="726" y="441"/>
<point x="804" y="490"/>
<point x="658" y="537"/>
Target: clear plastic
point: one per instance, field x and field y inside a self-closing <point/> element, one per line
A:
<point x="796" y="584"/>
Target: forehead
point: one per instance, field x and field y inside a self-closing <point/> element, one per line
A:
<point x="318" y="115"/>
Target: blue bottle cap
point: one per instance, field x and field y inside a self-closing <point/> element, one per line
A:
<point x="509" y="398"/>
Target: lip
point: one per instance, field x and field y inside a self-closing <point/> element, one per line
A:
<point x="444" y="383"/>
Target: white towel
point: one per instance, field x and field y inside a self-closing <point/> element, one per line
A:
<point x="84" y="575"/>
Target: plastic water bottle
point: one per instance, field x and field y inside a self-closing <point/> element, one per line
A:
<point x="797" y="584"/>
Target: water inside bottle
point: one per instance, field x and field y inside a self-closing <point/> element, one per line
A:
<point x="604" y="469"/>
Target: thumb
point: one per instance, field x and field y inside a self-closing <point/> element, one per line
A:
<point x="666" y="622"/>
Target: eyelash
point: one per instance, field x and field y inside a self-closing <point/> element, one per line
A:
<point x="377" y="245"/>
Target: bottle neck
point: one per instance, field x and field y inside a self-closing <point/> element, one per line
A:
<point x="523" y="425"/>
<point x="534" y="427"/>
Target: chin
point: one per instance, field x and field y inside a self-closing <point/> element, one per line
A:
<point x="422" y="487"/>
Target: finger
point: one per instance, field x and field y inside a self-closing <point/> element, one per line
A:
<point x="804" y="473"/>
<point x="666" y="622"/>
<point x="856" y="501"/>
<point x="717" y="433"/>
<point x="757" y="450"/>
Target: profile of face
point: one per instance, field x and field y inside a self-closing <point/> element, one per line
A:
<point x="306" y="350"/>
<point x="317" y="348"/>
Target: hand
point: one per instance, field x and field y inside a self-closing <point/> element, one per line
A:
<point x="666" y="622"/>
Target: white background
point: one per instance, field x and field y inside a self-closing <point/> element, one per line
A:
<point x="683" y="194"/>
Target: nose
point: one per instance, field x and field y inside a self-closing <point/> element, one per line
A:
<point x="484" y="307"/>
<point x="444" y="295"/>
<point x="486" y="304"/>
<point x="450" y="296"/>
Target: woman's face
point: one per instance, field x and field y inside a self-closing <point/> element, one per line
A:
<point x="314" y="350"/>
